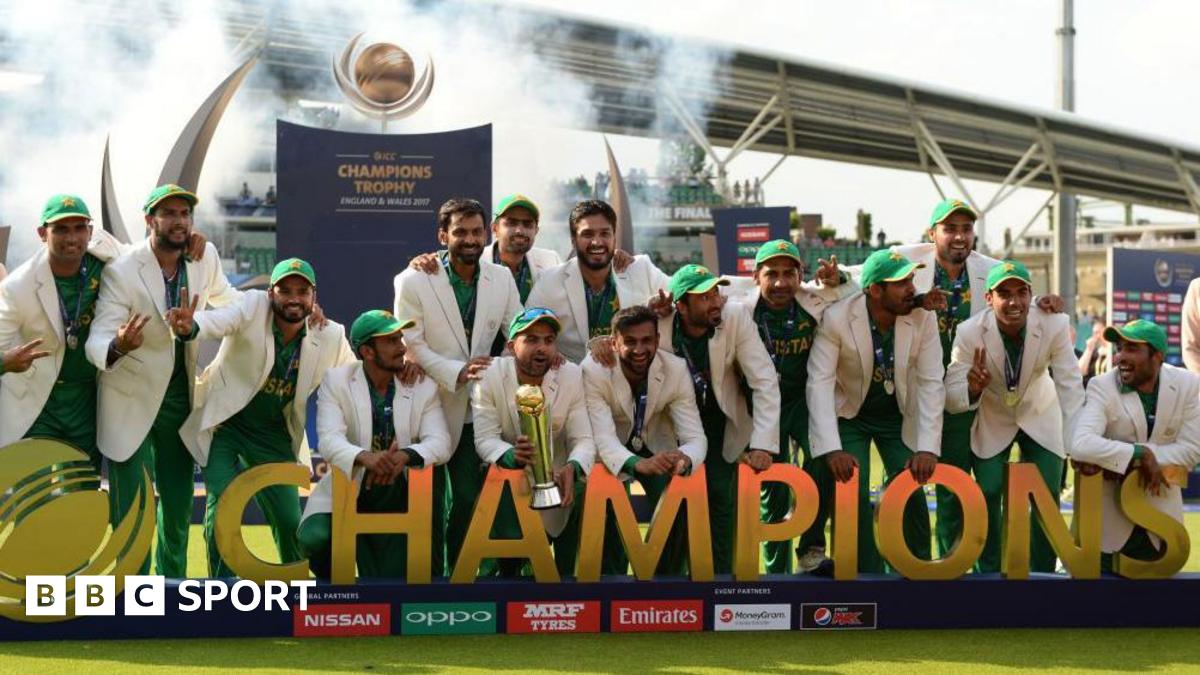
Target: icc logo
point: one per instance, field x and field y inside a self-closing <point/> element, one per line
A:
<point x="380" y="79"/>
<point x="57" y="522"/>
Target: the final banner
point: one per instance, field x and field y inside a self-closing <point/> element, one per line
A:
<point x="359" y="206"/>
<point x="741" y="231"/>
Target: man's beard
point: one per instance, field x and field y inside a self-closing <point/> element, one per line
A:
<point x="468" y="258"/>
<point x="163" y="241"/>
<point x="519" y="246"/>
<point x="533" y="368"/>
<point x="280" y="310"/>
<point x="583" y="258"/>
<point x="394" y="369"/>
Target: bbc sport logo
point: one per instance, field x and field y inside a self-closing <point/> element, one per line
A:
<point x="145" y="595"/>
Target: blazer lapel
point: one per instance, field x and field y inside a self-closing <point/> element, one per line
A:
<point x="1165" y="413"/>
<point x="440" y="283"/>
<point x="904" y="331"/>
<point x="402" y="415"/>
<point x="994" y="344"/>
<point x="481" y="342"/>
<point x="48" y="293"/>
<point x="573" y="287"/>
<point x="654" y="385"/>
<point x="360" y="397"/>
<point x="1032" y="348"/>
<point x="152" y="278"/>
<point x="508" y="393"/>
<point x="1133" y="409"/>
<point x="310" y="354"/>
<point x="716" y="353"/>
<point x="624" y="393"/>
<point x="624" y="291"/>
<point x="860" y="332"/>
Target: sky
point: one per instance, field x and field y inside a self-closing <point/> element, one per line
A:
<point x="110" y="76"/>
<point x="1135" y="63"/>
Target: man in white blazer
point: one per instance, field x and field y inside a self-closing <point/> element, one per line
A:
<point x="373" y="427"/>
<point x="875" y="374"/>
<point x="458" y="314"/>
<point x="146" y="374"/>
<point x="1017" y="369"/>
<point x="251" y="401"/>
<point x="645" y="424"/>
<point x="1144" y="416"/>
<point x="725" y="357"/>
<point x="532" y="339"/>
<point x="587" y="291"/>
<point x="787" y="312"/>
<point x="952" y="284"/>
<point x="48" y="387"/>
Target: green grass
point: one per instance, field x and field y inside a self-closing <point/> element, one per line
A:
<point x="983" y="651"/>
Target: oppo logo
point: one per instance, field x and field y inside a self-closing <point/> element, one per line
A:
<point x="448" y="618"/>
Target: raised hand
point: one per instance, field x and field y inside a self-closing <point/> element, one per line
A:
<point x="20" y="359"/>
<point x="317" y="320"/>
<point x="827" y="271"/>
<point x="978" y="377"/>
<point x="934" y="300"/>
<point x="196" y="246"/>
<point x="474" y="369"/>
<point x="661" y="304"/>
<point x="426" y="262"/>
<point x="182" y="319"/>
<point x="129" y="335"/>
<point x="841" y="465"/>
<point x="922" y="464"/>
<point x="621" y="260"/>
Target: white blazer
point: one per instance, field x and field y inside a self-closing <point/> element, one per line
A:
<point x="1050" y="386"/>
<point x="672" y="420"/>
<point x="344" y="426"/>
<point x="1111" y="422"/>
<point x="439" y="342"/>
<point x="561" y="290"/>
<point x="734" y="350"/>
<point x="813" y="297"/>
<point x="540" y="259"/>
<point x="841" y="364"/>
<point x="243" y="364"/>
<point x="497" y="424"/>
<point x="29" y="310"/>
<point x="131" y="392"/>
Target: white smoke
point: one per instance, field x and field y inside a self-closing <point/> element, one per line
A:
<point x="139" y="71"/>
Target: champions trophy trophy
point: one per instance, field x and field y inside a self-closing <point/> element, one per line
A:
<point x="535" y="421"/>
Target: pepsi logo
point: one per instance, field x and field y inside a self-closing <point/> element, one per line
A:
<point x="822" y="616"/>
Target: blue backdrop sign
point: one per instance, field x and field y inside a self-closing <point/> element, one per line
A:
<point x="359" y="206"/>
<point x="1144" y="284"/>
<point x="741" y="231"/>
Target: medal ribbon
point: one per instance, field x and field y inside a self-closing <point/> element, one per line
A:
<point x="882" y="360"/>
<point x="71" y="322"/>
<point x="381" y="420"/>
<point x="699" y="383"/>
<point x="956" y="293"/>
<point x="789" y="330"/>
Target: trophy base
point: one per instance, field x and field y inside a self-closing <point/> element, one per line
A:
<point x="545" y="496"/>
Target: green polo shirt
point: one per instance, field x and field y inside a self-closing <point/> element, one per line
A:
<point x="262" y="423"/>
<point x="1149" y="408"/>
<point x="601" y="307"/>
<point x="70" y="410"/>
<point x="879" y="403"/>
<point x="948" y="320"/>
<point x="788" y="350"/>
<point x="464" y="294"/>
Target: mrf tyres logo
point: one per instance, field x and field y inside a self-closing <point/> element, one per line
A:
<point x="630" y="616"/>
<point x="581" y="616"/>
<point x="832" y="616"/>
<point x="752" y="617"/>
<point x="448" y="618"/>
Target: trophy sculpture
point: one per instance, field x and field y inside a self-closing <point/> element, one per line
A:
<point x="535" y="425"/>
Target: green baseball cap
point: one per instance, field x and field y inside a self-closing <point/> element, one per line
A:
<point x="293" y="267"/>
<point x="515" y="199"/>
<point x="1139" y="330"/>
<point x="947" y="206"/>
<point x="1005" y="270"/>
<point x="693" y="279"/>
<point x="779" y="248"/>
<point x="524" y="319"/>
<point x="169" y="190"/>
<point x="376" y="323"/>
<point x="63" y="206"/>
<point x="887" y="265"/>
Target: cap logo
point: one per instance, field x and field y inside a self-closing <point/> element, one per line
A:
<point x="701" y="270"/>
<point x="295" y="265"/>
<point x="384" y="312"/>
<point x="782" y="246"/>
<point x="896" y="256"/>
<point x="1009" y="267"/>
<point x="68" y="203"/>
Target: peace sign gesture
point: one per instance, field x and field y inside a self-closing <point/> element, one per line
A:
<point x="978" y="377"/>
<point x="827" y="272"/>
<point x="19" y="359"/>
<point x="180" y="318"/>
<point x="129" y="336"/>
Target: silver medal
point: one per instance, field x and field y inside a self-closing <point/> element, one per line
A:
<point x="637" y="443"/>
<point x="889" y="386"/>
<point x="72" y="342"/>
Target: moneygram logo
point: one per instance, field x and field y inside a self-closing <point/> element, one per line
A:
<point x="554" y="617"/>
<point x="448" y="618"/>
<point x="57" y="521"/>
<point x="752" y="617"/>
<point x="342" y="620"/>
<point x="656" y="615"/>
<point x="834" y="617"/>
